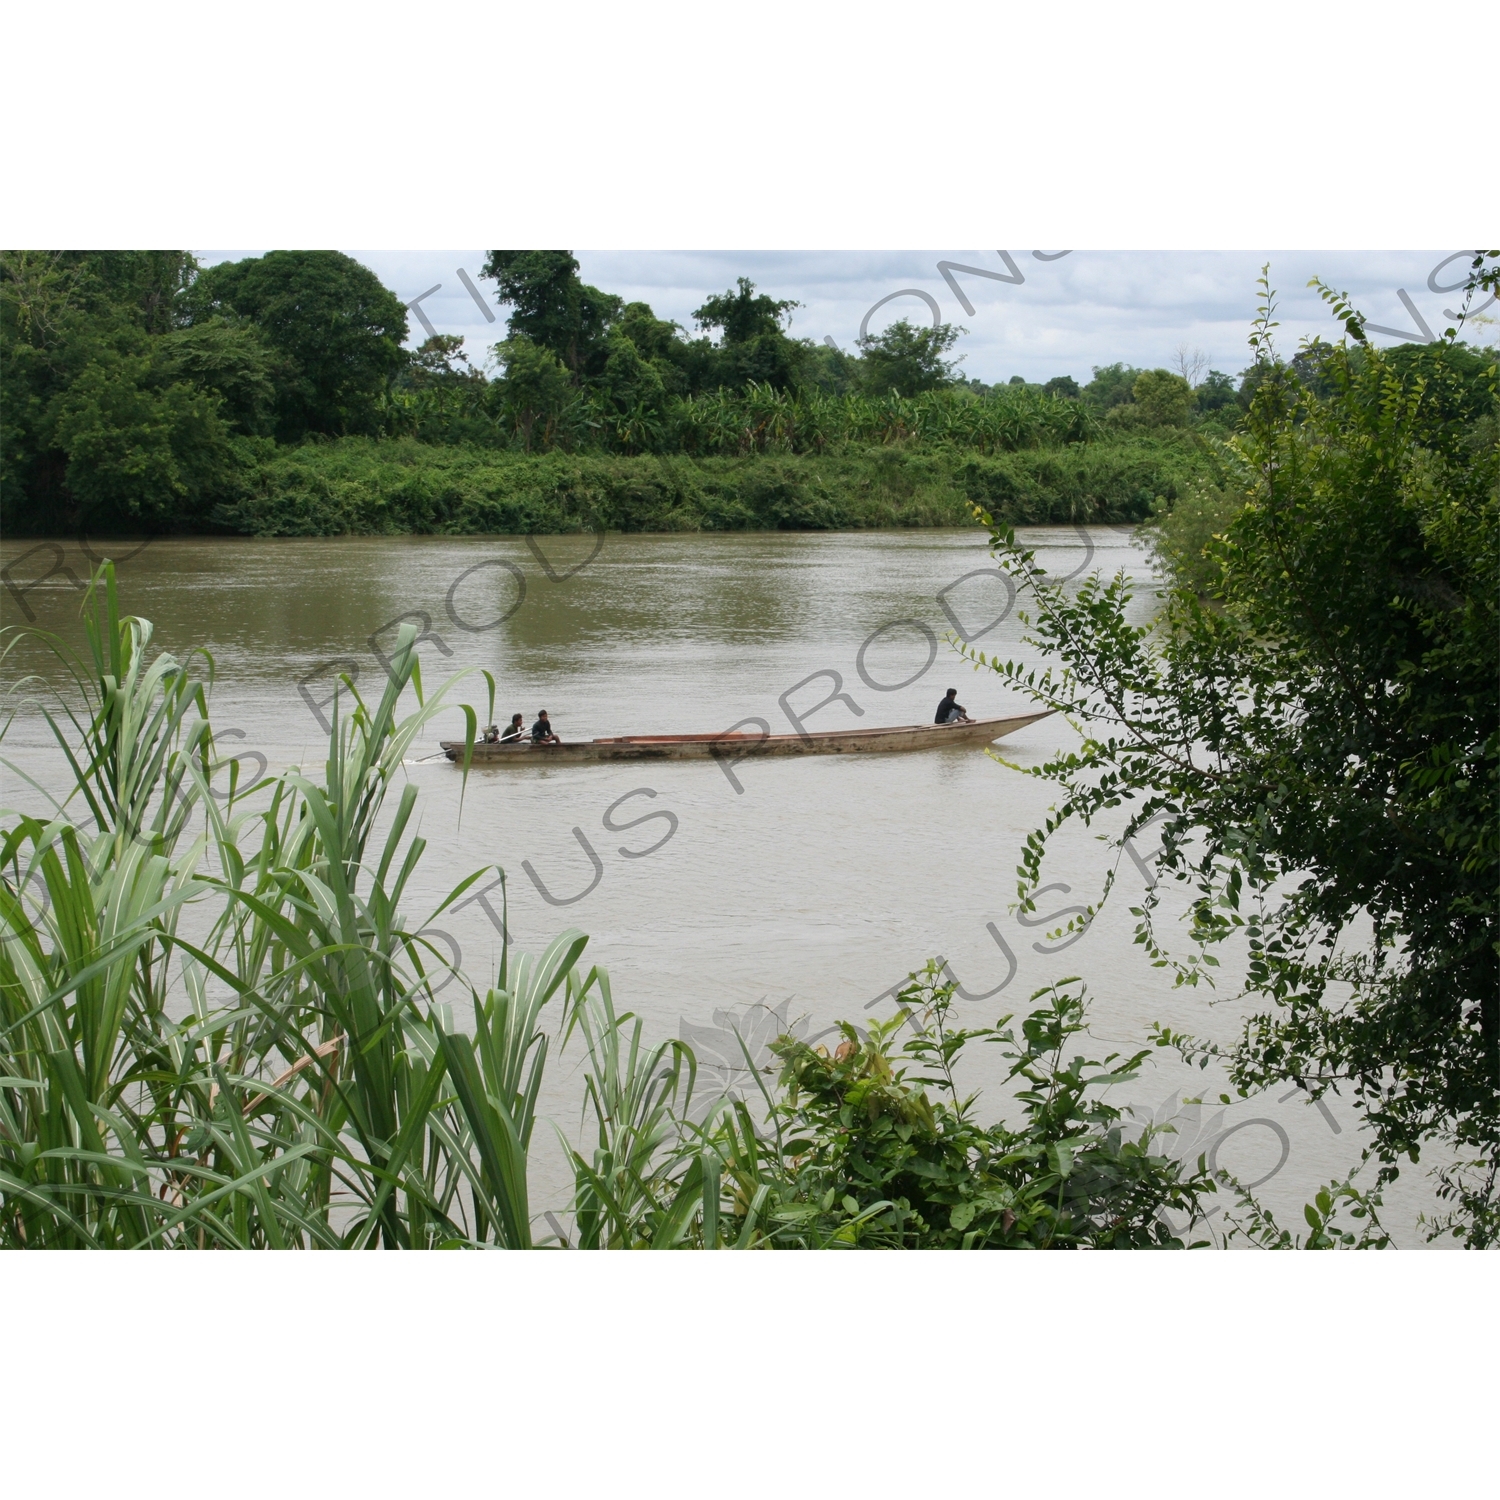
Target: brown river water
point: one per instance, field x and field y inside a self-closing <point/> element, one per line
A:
<point x="773" y="895"/>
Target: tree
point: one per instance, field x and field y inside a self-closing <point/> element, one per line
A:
<point x="1459" y="379"/>
<point x="145" y="287"/>
<point x="336" y="330"/>
<point x="1159" y="399"/>
<point x="114" y="413"/>
<point x="1216" y="394"/>
<point x="141" y="448"/>
<point x="1110" y="387"/>
<point x="655" y="338"/>
<point x="1063" y="386"/>
<point x="861" y="1154"/>
<point x="754" y="346"/>
<point x="830" y="370"/>
<point x="1190" y="363"/>
<point x="231" y="361"/>
<point x="741" y="315"/>
<point x="631" y="395"/>
<point x="1321" y="748"/>
<point x="536" y="388"/>
<point x="440" y="360"/>
<point x="552" y="307"/>
<point x="907" y="359"/>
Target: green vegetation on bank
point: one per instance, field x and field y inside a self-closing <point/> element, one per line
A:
<point x="362" y="486"/>
<point x="1312" y="730"/>
<point x="273" y="396"/>
<point x="1456" y="383"/>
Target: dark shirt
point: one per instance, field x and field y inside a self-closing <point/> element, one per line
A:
<point x="512" y="732"/>
<point x="541" y="730"/>
<point x="947" y="709"/>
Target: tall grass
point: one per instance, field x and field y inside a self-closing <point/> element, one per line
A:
<point x="218" y="1024"/>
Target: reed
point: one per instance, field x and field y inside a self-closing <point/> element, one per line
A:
<point x="303" y="1088"/>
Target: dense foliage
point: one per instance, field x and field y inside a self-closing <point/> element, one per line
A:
<point x="1314" y="725"/>
<point x="874" y="1146"/>
<point x="633" y="413"/>
<point x="110" y="406"/>
<point x="141" y="391"/>
<point x="334" y="331"/>
<point x="362" y="486"/>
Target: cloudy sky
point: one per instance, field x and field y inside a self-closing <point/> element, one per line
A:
<point x="1065" y="315"/>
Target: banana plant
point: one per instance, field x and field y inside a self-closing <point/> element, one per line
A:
<point x="302" y="1111"/>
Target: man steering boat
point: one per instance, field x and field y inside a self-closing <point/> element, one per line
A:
<point x="951" y="711"/>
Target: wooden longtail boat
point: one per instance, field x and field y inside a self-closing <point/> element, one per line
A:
<point x="734" y="746"/>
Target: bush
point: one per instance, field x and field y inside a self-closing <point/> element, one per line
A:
<point x="366" y="486"/>
<point x="1103" y="482"/>
<point x="1320" y="749"/>
<point x="1179" y="535"/>
<point x="864" y="1155"/>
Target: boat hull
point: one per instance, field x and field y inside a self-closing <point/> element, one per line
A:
<point x="736" y="747"/>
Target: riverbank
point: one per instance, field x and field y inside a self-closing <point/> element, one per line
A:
<point x="373" y="487"/>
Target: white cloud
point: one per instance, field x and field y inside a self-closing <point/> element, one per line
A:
<point x="1092" y="307"/>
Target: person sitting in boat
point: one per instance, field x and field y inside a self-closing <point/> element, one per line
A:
<point x="514" y="731"/>
<point x="541" y="731"/>
<point x="950" y="711"/>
